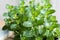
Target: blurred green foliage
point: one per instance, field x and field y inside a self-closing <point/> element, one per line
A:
<point x="32" y="22"/>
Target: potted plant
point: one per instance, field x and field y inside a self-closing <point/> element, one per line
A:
<point x="32" y="22"/>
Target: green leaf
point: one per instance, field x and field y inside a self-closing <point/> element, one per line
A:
<point x="17" y="37"/>
<point x="47" y="33"/>
<point x="58" y="32"/>
<point x="53" y="25"/>
<point x="10" y="7"/>
<point x="53" y="18"/>
<point x="50" y="38"/>
<point x="23" y="38"/>
<point x="40" y="30"/>
<point x="39" y="38"/>
<point x="7" y="20"/>
<point x="27" y="24"/>
<point x="40" y="22"/>
<point x="46" y="2"/>
<point x="13" y="15"/>
<point x="13" y="26"/>
<point x="22" y="2"/>
<point x="5" y="14"/>
<point x="43" y="11"/>
<point x="50" y="11"/>
<point x="28" y="33"/>
<point x="5" y="27"/>
<point x="48" y="6"/>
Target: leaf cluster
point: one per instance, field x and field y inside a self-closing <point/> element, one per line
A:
<point x="32" y="22"/>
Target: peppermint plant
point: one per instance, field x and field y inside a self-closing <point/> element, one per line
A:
<point x="32" y="21"/>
